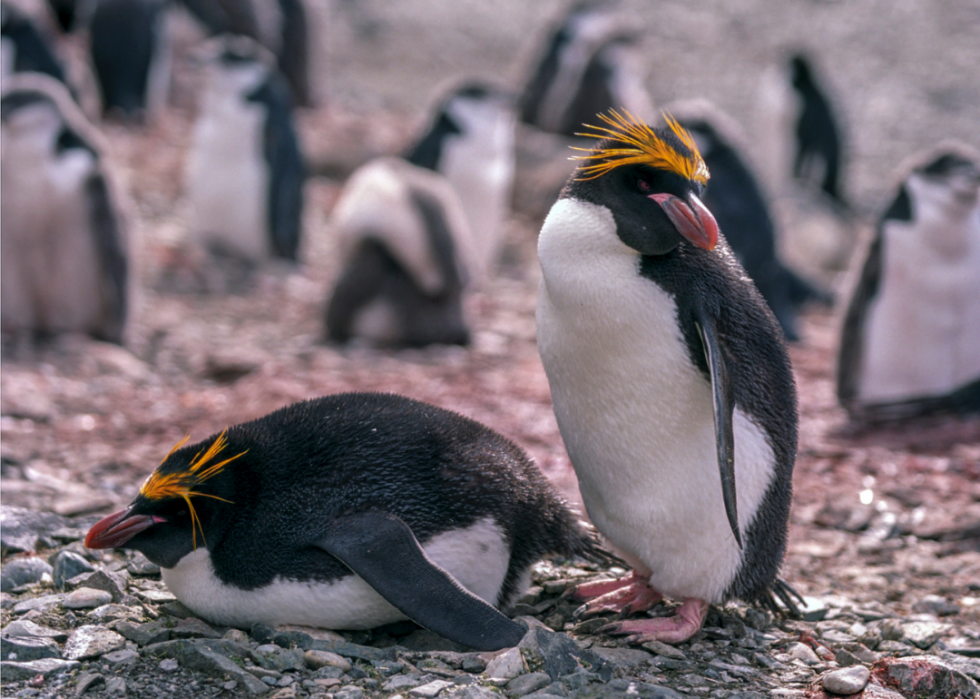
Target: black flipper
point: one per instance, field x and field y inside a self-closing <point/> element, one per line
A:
<point x="723" y="401"/>
<point x="382" y="550"/>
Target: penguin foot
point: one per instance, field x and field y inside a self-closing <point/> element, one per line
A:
<point x="625" y="595"/>
<point x="670" y="629"/>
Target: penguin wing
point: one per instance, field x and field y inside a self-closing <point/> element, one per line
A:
<point x="723" y="403"/>
<point x="110" y="242"/>
<point x="381" y="549"/>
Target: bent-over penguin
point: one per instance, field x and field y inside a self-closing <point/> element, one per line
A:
<point x="403" y="243"/>
<point x="910" y="341"/>
<point x="590" y="65"/>
<point x="470" y="141"/>
<point x="245" y="170"/>
<point x="64" y="251"/>
<point x="736" y="200"/>
<point x="349" y="512"/>
<point x="670" y="381"/>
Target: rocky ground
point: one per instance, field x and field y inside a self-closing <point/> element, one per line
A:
<point x="885" y="530"/>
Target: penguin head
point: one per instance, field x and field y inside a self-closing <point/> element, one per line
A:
<point x="235" y="64"/>
<point x="171" y="516"/>
<point x="39" y="114"/>
<point x="483" y="116"/>
<point x="651" y="179"/>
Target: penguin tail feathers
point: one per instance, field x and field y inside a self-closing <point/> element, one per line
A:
<point x="781" y="599"/>
<point x="589" y="546"/>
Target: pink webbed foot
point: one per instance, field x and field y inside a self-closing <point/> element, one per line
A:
<point x="670" y="629"/>
<point x="624" y="595"/>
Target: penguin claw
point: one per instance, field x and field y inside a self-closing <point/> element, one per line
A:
<point x="671" y="629"/>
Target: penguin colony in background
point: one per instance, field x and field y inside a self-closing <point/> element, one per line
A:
<point x="910" y="341"/>
<point x="415" y="232"/>
<point x="245" y="171"/>
<point x="349" y="512"/>
<point x="64" y="242"/>
<point x="670" y="382"/>
<point x="590" y="65"/>
<point x="736" y="200"/>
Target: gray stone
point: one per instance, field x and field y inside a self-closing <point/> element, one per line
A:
<point x="664" y="649"/>
<point x="168" y="665"/>
<point x="349" y="692"/>
<point x="68" y="564"/>
<point x="43" y="603"/>
<point x="616" y="689"/>
<point x="156" y="596"/>
<point x="144" y="634"/>
<point x="114" y="612"/>
<point x="86" y="598"/>
<point x="924" y="676"/>
<point x="891" y="630"/>
<point x="399" y="682"/>
<point x="280" y="659"/>
<point x="430" y="690"/>
<point x="115" y="687"/>
<point x="923" y="634"/>
<point x="473" y="691"/>
<point x="507" y="665"/>
<point x="627" y="658"/>
<point x="846" y="658"/>
<point x="29" y="628"/>
<point x="315" y="659"/>
<point x="87" y="680"/>
<point x="212" y="657"/>
<point x="27" y="530"/>
<point x="24" y="648"/>
<point x="194" y="628"/>
<point x="91" y="642"/>
<point x="138" y="564"/>
<point x="473" y="664"/>
<point x="22" y="571"/>
<point x="814" y="609"/>
<point x="352" y="650"/>
<point x="48" y="667"/>
<point x="525" y="684"/>
<point x="934" y="604"/>
<point x="558" y="655"/>
<point x="176" y="609"/>
<point x="803" y="652"/>
<point x="848" y="680"/>
<point x="329" y="672"/>
<point x="113" y="583"/>
<point x="121" y="658"/>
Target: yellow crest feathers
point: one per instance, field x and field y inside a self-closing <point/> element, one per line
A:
<point x="640" y="145"/>
<point x="180" y="484"/>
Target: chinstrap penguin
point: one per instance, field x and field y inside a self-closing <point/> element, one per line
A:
<point x="910" y="340"/>
<point x="131" y="55"/>
<point x="245" y="170"/>
<point x="25" y="49"/>
<point x="349" y="512"/>
<point x="736" y="200"/>
<point x="590" y="65"/>
<point x="65" y="266"/>
<point x="670" y="382"/>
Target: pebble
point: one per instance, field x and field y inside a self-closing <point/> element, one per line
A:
<point x="525" y="684"/>
<point x="121" y="658"/>
<point x="169" y="665"/>
<point x="315" y="659"/>
<point x="923" y="634"/>
<point x="399" y="682"/>
<point x="91" y="642"/>
<point x="24" y="627"/>
<point x="115" y="686"/>
<point x="804" y="653"/>
<point x="349" y="692"/>
<point x="848" y="680"/>
<point x="86" y="598"/>
<point x="430" y="690"/>
<point x="507" y="665"/>
<point x="25" y="648"/>
<point x="46" y="667"/>
<point x="67" y="565"/>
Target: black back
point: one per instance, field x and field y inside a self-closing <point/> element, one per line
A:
<point x="427" y="152"/>
<point x="817" y="133"/>
<point x="33" y="52"/>
<point x="735" y="198"/>
<point x="126" y="34"/>
<point x="373" y="272"/>
<point x="329" y="457"/>
<point x="287" y="171"/>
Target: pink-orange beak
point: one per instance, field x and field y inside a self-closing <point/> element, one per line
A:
<point x="691" y="218"/>
<point x="118" y="528"/>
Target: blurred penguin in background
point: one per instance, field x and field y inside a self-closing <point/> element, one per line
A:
<point x="818" y="156"/>
<point x="279" y="25"/>
<point x="739" y="205"/>
<point x="131" y="55"/>
<point x="64" y="244"/>
<point x="910" y="342"/>
<point x="70" y="14"/>
<point x="25" y="49"/>
<point x="245" y="171"/>
<point x="590" y="65"/>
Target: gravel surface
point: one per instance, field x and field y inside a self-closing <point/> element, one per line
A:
<point x="885" y="530"/>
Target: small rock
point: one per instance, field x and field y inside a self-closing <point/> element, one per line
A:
<point x="315" y="659"/>
<point x="68" y="564"/>
<point x="668" y="651"/>
<point x="525" y="684"/>
<point x="923" y="676"/>
<point x="349" y="692"/>
<point x="114" y="612"/>
<point x="934" y="604"/>
<point x="26" y="530"/>
<point x="86" y="681"/>
<point x="280" y="659"/>
<point x="24" y="648"/>
<point x="138" y="564"/>
<point x="848" y="680"/>
<point x="284" y="693"/>
<point x="861" y="652"/>
<point x="113" y="583"/>
<point x="923" y="634"/>
<point x="156" y="596"/>
<point x="236" y="636"/>
<point x="559" y="655"/>
<point x="846" y="658"/>
<point x="804" y="653"/>
<point x="758" y="619"/>
<point x="46" y="667"/>
<point x="626" y="658"/>
<point x="43" y="603"/>
<point x="144" y="634"/>
<point x="169" y="665"/>
<point x="507" y="665"/>
<point x="91" y="642"/>
<point x="814" y="609"/>
<point x="891" y="630"/>
<point x="23" y="571"/>
<point x="473" y="664"/>
<point x="115" y="687"/>
<point x="430" y="690"/>
<point x="193" y="628"/>
<point x="121" y="658"/>
<point x="176" y="609"/>
<point x="399" y="682"/>
<point x="86" y="598"/>
<point x="32" y="630"/>
<point x="474" y="691"/>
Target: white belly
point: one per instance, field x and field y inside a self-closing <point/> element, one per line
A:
<point x="477" y="557"/>
<point x="635" y="413"/>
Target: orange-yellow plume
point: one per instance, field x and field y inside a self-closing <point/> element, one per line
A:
<point x="640" y="145"/>
<point x="181" y="484"/>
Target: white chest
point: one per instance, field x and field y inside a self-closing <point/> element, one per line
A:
<point x="635" y="413"/>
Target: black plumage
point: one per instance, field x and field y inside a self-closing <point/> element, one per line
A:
<point x="819" y="147"/>
<point x="32" y="51"/>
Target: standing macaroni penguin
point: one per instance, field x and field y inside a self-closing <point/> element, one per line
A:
<point x="910" y="343"/>
<point x="670" y="381"/>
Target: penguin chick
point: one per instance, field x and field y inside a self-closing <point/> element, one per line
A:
<point x="737" y="202"/>
<point x="471" y="143"/>
<point x="64" y="243"/>
<point x="589" y="66"/>
<point x="245" y="171"/>
<point x="911" y="332"/>
<point x="403" y="238"/>
<point x="670" y="382"/>
<point x="349" y="512"/>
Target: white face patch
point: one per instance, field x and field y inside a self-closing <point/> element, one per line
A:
<point x="477" y="557"/>
<point x="634" y="412"/>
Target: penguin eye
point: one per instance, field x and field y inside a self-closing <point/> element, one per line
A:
<point x="643" y="185"/>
